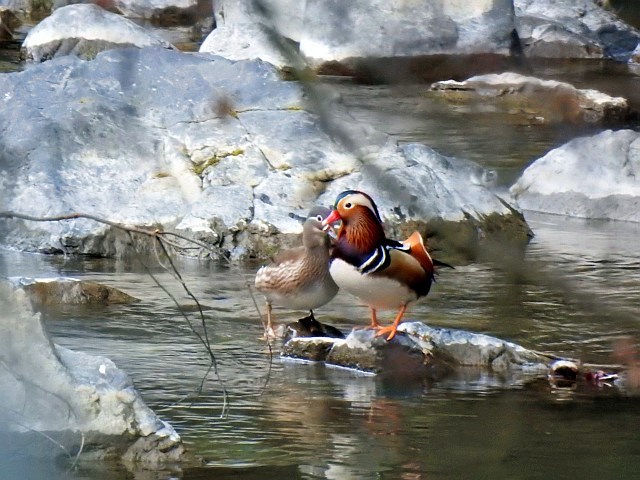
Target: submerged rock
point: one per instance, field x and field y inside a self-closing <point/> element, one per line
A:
<point x="542" y="101"/>
<point x="588" y="177"/>
<point x="82" y="402"/>
<point x="71" y="291"/>
<point x="454" y="359"/>
<point x="85" y="30"/>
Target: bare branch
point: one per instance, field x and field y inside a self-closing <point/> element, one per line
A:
<point x="151" y="232"/>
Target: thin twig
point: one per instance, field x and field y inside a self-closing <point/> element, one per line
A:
<point x="266" y="336"/>
<point x="75" y="460"/>
<point x="205" y="340"/>
<point x="152" y="232"/>
<point x="160" y="240"/>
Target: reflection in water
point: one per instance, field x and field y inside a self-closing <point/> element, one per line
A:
<point x="578" y="295"/>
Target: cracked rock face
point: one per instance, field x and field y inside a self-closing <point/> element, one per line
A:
<point x="223" y="151"/>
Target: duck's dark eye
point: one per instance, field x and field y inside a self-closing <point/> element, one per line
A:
<point x="319" y="218"/>
<point x="348" y="205"/>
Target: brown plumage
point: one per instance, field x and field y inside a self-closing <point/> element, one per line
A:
<point x="299" y="278"/>
<point x="383" y="273"/>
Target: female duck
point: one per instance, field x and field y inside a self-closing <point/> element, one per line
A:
<point x="299" y="278"/>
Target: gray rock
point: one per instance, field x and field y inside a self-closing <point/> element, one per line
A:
<point x="85" y="30"/>
<point x="74" y="397"/>
<point x="422" y="350"/>
<point x="335" y="30"/>
<point x="225" y="152"/>
<point x="589" y="177"/>
<point x="244" y="41"/>
<point x="346" y="37"/>
<point x="285" y="16"/>
<point x="573" y="29"/>
<point x="544" y="101"/>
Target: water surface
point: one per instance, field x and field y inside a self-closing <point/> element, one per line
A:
<point x="577" y="293"/>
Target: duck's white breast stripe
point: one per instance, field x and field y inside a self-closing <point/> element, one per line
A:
<point x="380" y="255"/>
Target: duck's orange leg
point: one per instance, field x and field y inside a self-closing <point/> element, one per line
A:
<point x="391" y="329"/>
<point x="268" y="331"/>
<point x="374" y="319"/>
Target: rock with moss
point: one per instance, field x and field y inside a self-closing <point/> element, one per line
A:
<point x="225" y="152"/>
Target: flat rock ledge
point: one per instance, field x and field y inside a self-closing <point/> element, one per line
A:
<point x="540" y="101"/>
<point x="419" y="347"/>
<point x="456" y="359"/>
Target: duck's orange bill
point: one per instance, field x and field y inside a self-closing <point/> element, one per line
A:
<point x="333" y="217"/>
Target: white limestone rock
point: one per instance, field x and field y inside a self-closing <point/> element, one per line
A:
<point x="84" y="30"/>
<point x="337" y="30"/>
<point x="285" y="16"/>
<point x="572" y="29"/>
<point x="414" y="182"/>
<point x="48" y="388"/>
<point x="588" y="177"/>
<point x="244" y="41"/>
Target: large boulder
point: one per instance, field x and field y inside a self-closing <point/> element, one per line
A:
<point x="337" y="30"/>
<point x="80" y="402"/>
<point x="435" y="39"/>
<point x="223" y="151"/>
<point x="573" y="29"/>
<point x="355" y="36"/>
<point x="85" y="30"/>
<point x="588" y="177"/>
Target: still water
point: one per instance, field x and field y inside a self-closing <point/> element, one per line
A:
<point x="575" y="292"/>
<point x="578" y="291"/>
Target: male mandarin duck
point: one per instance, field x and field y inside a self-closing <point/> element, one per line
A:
<point x="384" y="273"/>
<point x="299" y="278"/>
